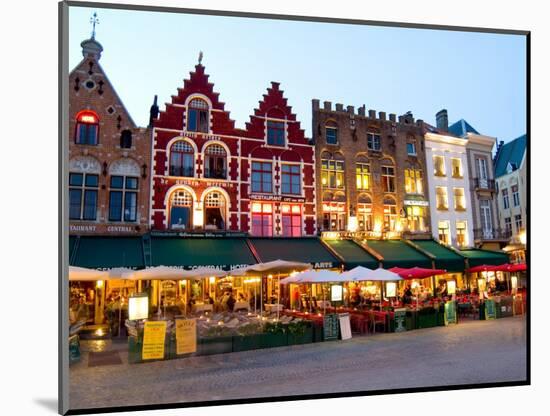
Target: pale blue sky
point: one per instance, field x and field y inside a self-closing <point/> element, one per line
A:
<point x="476" y="76"/>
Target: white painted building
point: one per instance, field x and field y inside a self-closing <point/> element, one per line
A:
<point x="449" y="189"/>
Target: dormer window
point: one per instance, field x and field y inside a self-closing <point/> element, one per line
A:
<point x="197" y="116"/>
<point x="87" y="128"/>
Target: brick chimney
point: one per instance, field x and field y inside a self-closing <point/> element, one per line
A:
<point x="442" y="120"/>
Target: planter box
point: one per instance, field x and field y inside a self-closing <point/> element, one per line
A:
<point x="411" y="321"/>
<point x="427" y="320"/>
<point x="214" y="345"/>
<point x="272" y="340"/>
<point x="246" y="342"/>
<point x="305" y="338"/>
<point x="134" y="350"/>
<point x="317" y="332"/>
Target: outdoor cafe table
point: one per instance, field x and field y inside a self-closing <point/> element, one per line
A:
<point x="203" y="307"/>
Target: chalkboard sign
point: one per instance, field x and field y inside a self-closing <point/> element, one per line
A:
<point x="330" y="327"/>
<point x="399" y="317"/>
<point x="490" y="309"/>
<point x="450" y="312"/>
<point x="506" y="306"/>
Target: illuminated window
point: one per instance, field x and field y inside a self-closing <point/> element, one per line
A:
<point x="413" y="181"/>
<point x="332" y="173"/>
<point x="441" y="198"/>
<point x="439" y="166"/>
<point x="460" y="199"/>
<point x="416" y="218"/>
<point x="181" y="204"/>
<point x="388" y="179"/>
<point x="182" y="159"/>
<point x="87" y="128"/>
<point x="275" y="133"/>
<point x="373" y="142"/>
<point x="461" y="234"/>
<point x="83" y="188"/>
<point x="262" y="219"/>
<point x="331" y="132"/>
<point x="261" y="177"/>
<point x="197" y="116"/>
<point x="390" y="214"/>
<point x="123" y="198"/>
<point x="334" y="216"/>
<point x="214" y="211"/>
<point x="364" y="214"/>
<point x="444" y="232"/>
<point x="362" y="176"/>
<point x="292" y="220"/>
<point x="215" y="162"/>
<point x="456" y="165"/>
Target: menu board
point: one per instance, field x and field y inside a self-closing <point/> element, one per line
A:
<point x="490" y="310"/>
<point x="330" y="327"/>
<point x="154" y="333"/>
<point x="399" y="316"/>
<point x="450" y="312"/>
<point x="345" y="327"/>
<point x="186" y="336"/>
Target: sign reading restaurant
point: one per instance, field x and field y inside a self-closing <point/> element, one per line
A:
<point x="102" y="228"/>
<point x="277" y="198"/>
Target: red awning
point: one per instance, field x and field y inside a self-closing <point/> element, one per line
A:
<point x="416" y="272"/>
<point x="482" y="268"/>
<point x="506" y="267"/>
<point x="521" y="267"/>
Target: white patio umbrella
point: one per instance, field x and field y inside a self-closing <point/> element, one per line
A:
<point x="206" y="272"/>
<point x="357" y="273"/>
<point x="160" y="273"/>
<point x="82" y="274"/>
<point x="121" y="273"/>
<point x="378" y="275"/>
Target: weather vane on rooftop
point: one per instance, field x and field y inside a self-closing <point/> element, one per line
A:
<point x="200" y="57"/>
<point x="94" y="21"/>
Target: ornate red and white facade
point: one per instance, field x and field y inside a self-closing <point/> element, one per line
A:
<point x="210" y="176"/>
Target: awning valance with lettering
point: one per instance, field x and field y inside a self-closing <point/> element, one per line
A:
<point x="106" y="252"/>
<point x="220" y="252"/>
<point x="445" y="258"/>
<point x="397" y="253"/>
<point x="306" y="250"/>
<point x="479" y="257"/>
<point x="352" y="254"/>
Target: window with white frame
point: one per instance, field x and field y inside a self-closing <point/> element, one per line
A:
<point x="262" y="179"/>
<point x="439" y="165"/>
<point x="373" y="142"/>
<point x="198" y="116"/>
<point x="331" y="132"/>
<point x="181" y="209"/>
<point x="215" y="162"/>
<point x="390" y="214"/>
<point x="262" y="219"/>
<point x="444" y="232"/>
<point x="456" y="166"/>
<point x="459" y="199"/>
<point x="291" y="220"/>
<point x="505" y="198"/>
<point x="182" y="159"/>
<point x="214" y="211"/>
<point x="461" y="234"/>
<point x="291" y="180"/>
<point x="275" y="133"/>
<point x="442" y="202"/>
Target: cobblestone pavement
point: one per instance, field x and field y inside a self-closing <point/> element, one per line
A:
<point x="471" y="352"/>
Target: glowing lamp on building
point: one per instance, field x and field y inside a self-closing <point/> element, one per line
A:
<point x="99" y="284"/>
<point x="212" y="280"/>
<point x="523" y="237"/>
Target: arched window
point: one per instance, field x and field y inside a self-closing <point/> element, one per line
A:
<point x="87" y="128"/>
<point x="332" y="171"/>
<point x="390" y="214"/>
<point x="182" y="159"/>
<point x="362" y="173"/>
<point x="334" y="211"/>
<point x="214" y="211"/>
<point x="126" y="139"/>
<point x="181" y="208"/>
<point x="364" y="212"/>
<point x="215" y="165"/>
<point x="197" y="116"/>
<point x="331" y="132"/>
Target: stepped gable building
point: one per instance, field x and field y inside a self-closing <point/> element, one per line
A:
<point x="109" y="155"/>
<point x="370" y="172"/>
<point x="209" y="176"/>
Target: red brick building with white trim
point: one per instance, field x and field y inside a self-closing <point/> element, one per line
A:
<point x="209" y="176"/>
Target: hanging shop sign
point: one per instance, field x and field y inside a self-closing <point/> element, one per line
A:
<point x="345" y="327"/>
<point x="400" y="315"/>
<point x="186" y="336"/>
<point x="450" y="313"/>
<point x="490" y="309"/>
<point x="336" y="293"/>
<point x="154" y="334"/>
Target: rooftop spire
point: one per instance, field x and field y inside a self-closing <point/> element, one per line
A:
<point x="200" y="57"/>
<point x="94" y="21"/>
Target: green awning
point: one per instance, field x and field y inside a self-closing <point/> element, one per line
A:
<point x="108" y="252"/>
<point x="399" y="254"/>
<point x="221" y="252"/>
<point x="306" y="250"/>
<point x="72" y="243"/>
<point x="445" y="258"/>
<point x="353" y="254"/>
<point x="479" y="257"/>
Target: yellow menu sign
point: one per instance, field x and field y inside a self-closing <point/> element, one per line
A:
<point x="154" y="334"/>
<point x="186" y="336"/>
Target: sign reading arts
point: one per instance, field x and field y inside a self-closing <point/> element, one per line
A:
<point x="186" y="336"/>
<point x="154" y="334"/>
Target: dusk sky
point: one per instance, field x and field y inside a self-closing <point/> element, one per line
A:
<point x="476" y="76"/>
